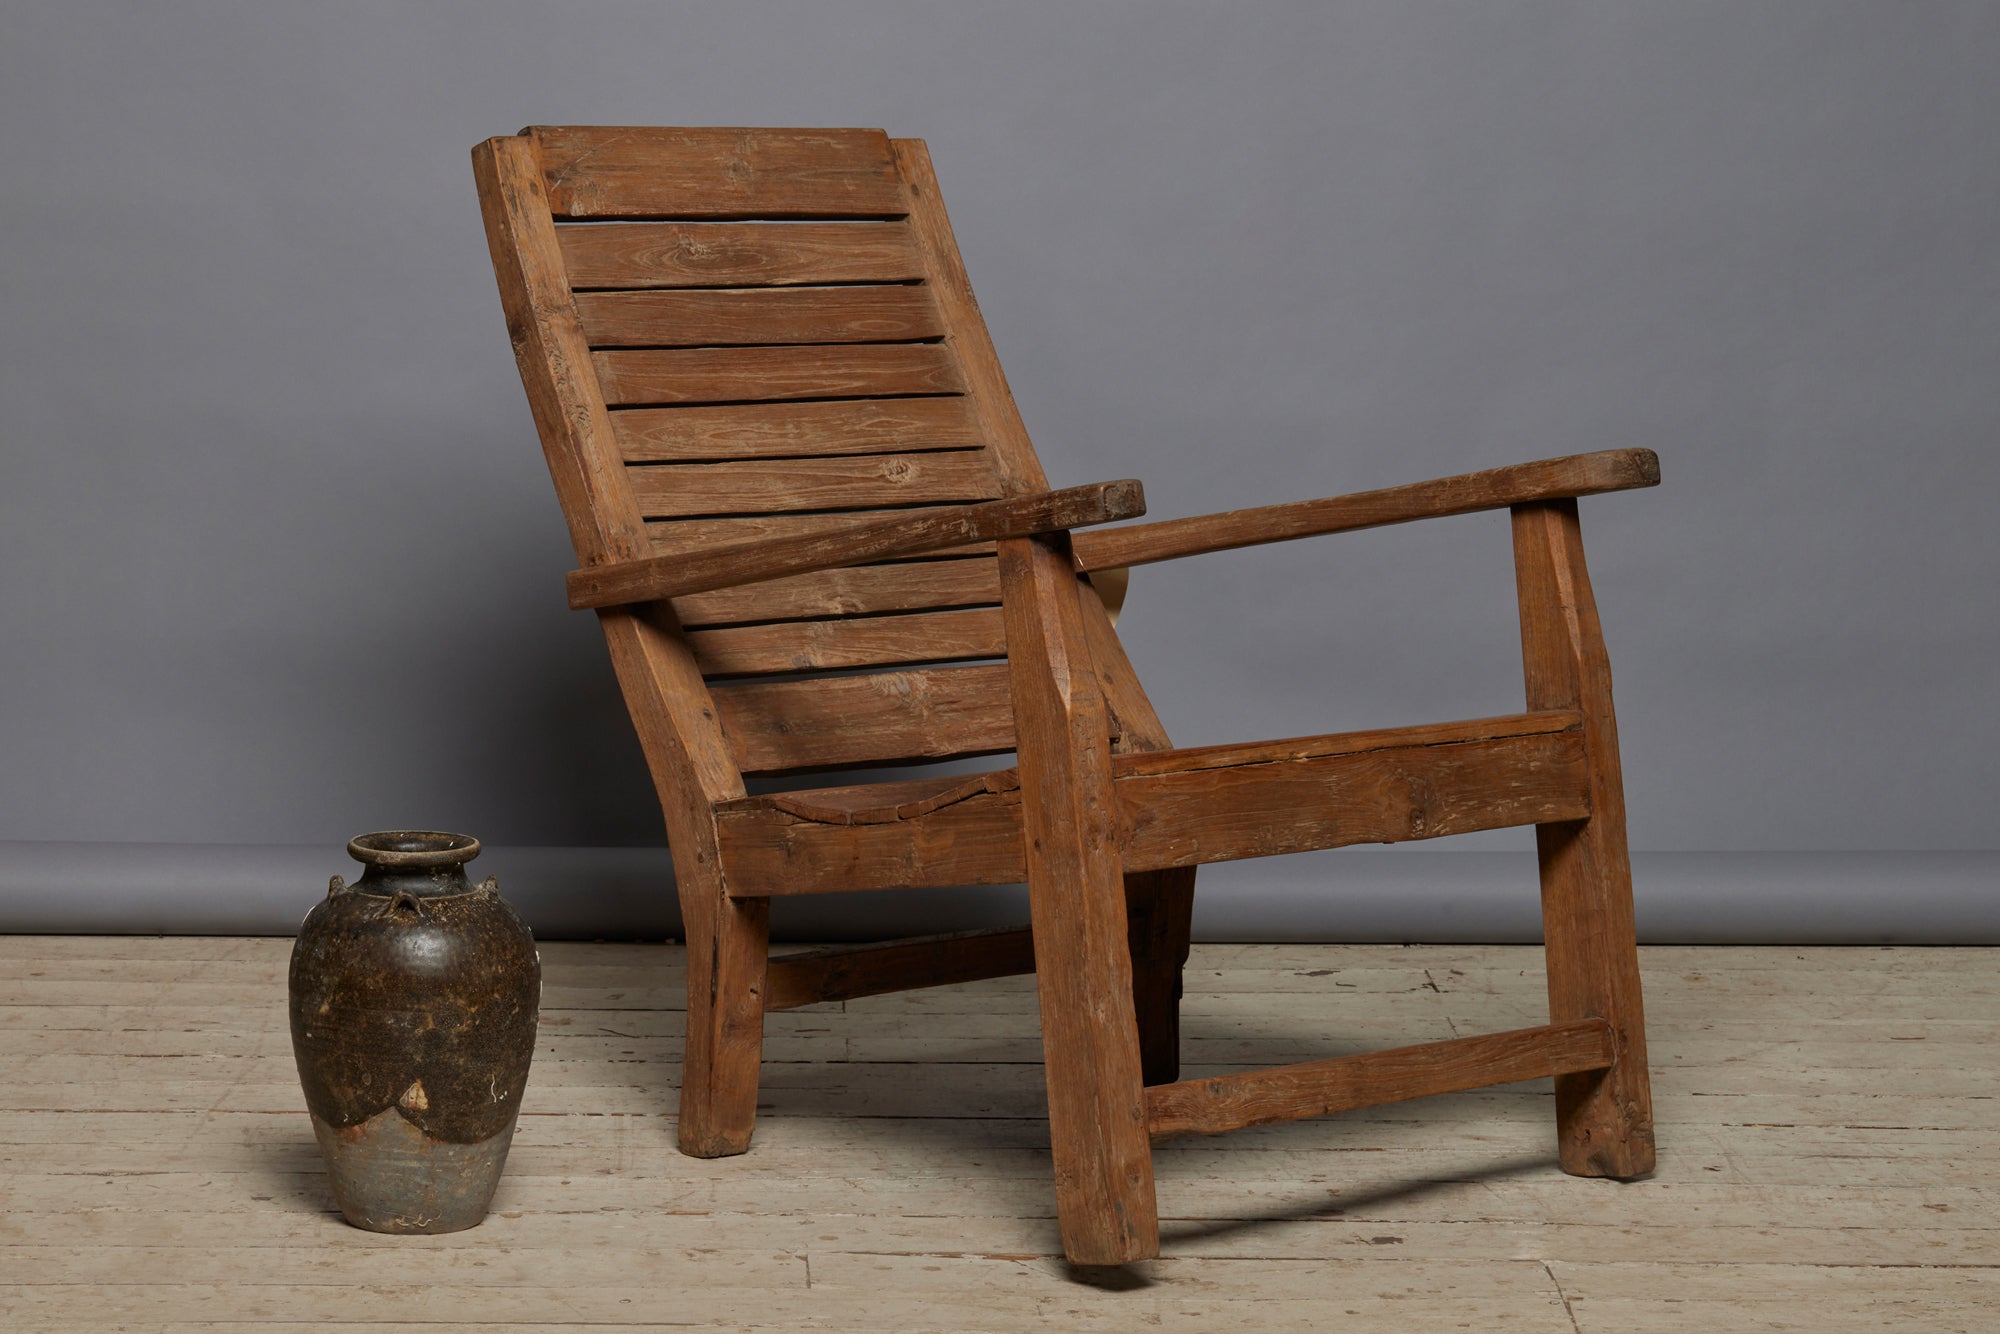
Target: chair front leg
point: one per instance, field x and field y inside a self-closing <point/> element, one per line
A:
<point x="1604" y="1118"/>
<point x="1076" y="898"/>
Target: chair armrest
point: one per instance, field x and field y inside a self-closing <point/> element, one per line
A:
<point x="656" y="577"/>
<point x="1497" y="488"/>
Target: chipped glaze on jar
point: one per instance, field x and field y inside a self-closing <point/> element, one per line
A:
<point x="413" y="999"/>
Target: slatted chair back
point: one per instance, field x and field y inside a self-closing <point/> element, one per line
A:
<point x="772" y="335"/>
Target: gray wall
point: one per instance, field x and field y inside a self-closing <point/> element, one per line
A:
<point x="279" y="561"/>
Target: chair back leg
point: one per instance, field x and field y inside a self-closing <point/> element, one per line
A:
<point x="1159" y="909"/>
<point x="1604" y="1118"/>
<point x="728" y="944"/>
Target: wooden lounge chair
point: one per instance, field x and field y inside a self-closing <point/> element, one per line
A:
<point x="810" y="520"/>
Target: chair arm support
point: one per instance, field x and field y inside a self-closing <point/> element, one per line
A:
<point x="1497" y="488"/>
<point x="656" y="577"/>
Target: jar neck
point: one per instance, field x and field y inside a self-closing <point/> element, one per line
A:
<point x="424" y="882"/>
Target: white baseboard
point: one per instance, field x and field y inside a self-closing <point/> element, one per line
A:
<point x="1351" y="894"/>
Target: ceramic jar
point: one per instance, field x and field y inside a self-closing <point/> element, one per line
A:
<point x="413" y="1005"/>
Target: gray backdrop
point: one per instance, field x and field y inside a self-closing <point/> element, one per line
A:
<point x="279" y="561"/>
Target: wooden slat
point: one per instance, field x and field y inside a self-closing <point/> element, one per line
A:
<point x="737" y="254"/>
<point x="931" y="713"/>
<point x="855" y="482"/>
<point x="1496" y="488"/>
<point x="758" y="315"/>
<point x="976" y="841"/>
<point x="632" y="172"/>
<point x="792" y="430"/>
<point x="1329" y="801"/>
<point x="1356" y="787"/>
<point x="769" y="374"/>
<point x="1320" y="1088"/>
<point x="881" y="803"/>
<point x="901" y="965"/>
<point x="862" y="641"/>
<point x="773" y="546"/>
<point x="851" y="591"/>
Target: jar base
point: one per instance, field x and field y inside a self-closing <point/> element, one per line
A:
<point x="389" y="1176"/>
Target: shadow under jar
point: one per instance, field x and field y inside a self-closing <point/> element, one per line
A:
<point x="413" y="1003"/>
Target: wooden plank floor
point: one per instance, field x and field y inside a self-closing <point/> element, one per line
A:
<point x="1827" y="1129"/>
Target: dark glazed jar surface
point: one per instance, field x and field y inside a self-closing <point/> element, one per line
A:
<point x="413" y="1008"/>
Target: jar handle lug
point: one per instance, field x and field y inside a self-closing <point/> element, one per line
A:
<point x="491" y="884"/>
<point x="400" y="901"/>
<point x="337" y="885"/>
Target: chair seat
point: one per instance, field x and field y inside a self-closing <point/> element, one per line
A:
<point x="1176" y="807"/>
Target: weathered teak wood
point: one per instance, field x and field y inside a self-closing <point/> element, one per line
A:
<point x="817" y="535"/>
<point x="793" y="430"/>
<point x="1320" y="1088"/>
<point x="851" y="543"/>
<point x="900" y="965"/>
<point x="1496" y="488"/>
<point x="1604" y="1118"/>
<point x="931" y="713"/>
<point x="1183" y="808"/>
<point x="1076" y="895"/>
<point x="638" y="256"/>
<point x="691" y="764"/>
<point x="753" y="316"/>
<point x="645" y="172"/>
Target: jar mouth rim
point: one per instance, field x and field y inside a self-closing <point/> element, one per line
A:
<point x="412" y="847"/>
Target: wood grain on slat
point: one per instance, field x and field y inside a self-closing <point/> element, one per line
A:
<point x="861" y="641"/>
<point x="881" y="803"/>
<point x="737" y="254"/>
<point x="777" y="486"/>
<point x="899" y="965"/>
<point x="769" y="374"/>
<point x="882" y="716"/>
<point x="791" y="430"/>
<point x="1320" y="1088"/>
<point x="851" y="591"/>
<point x="758" y="315"/>
<point x="632" y="172"/>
